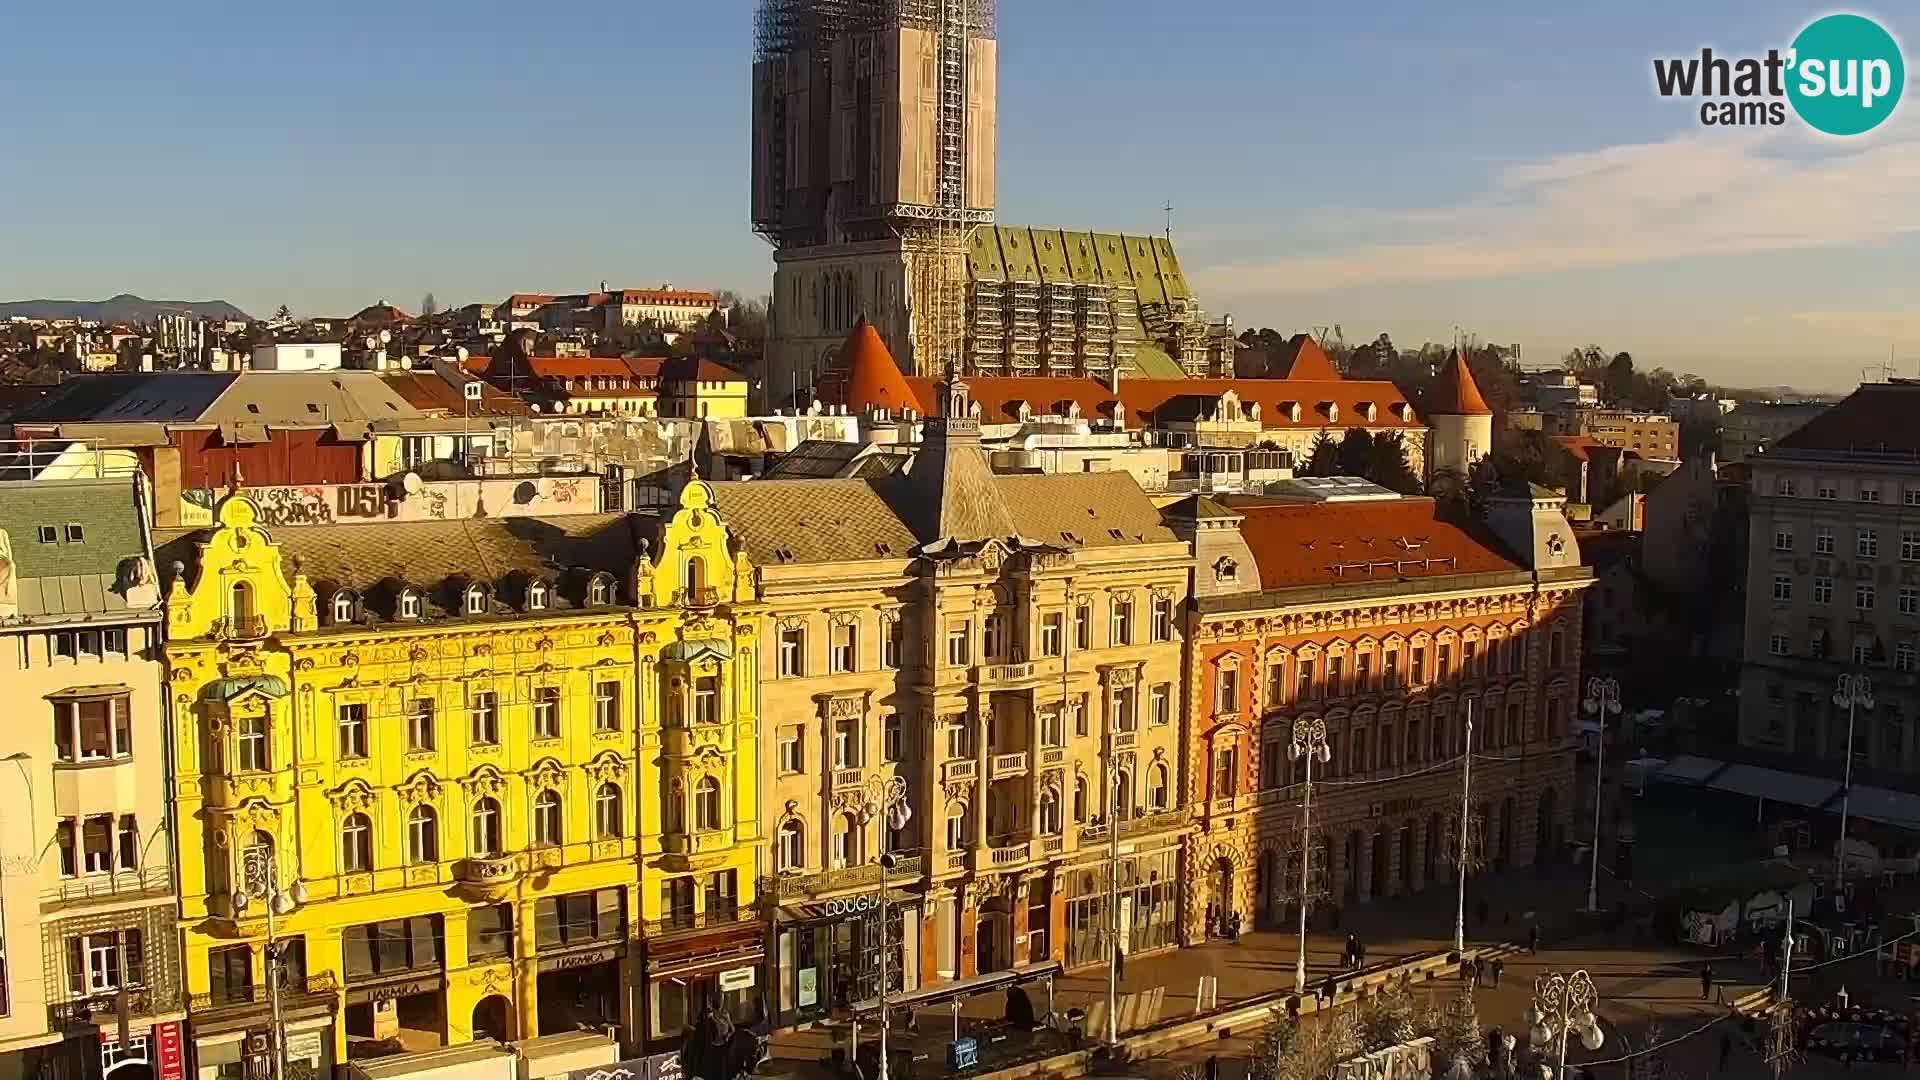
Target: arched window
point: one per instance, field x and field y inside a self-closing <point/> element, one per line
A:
<point x="356" y="843"/>
<point x="1080" y="800"/>
<point x="706" y="804"/>
<point x="537" y="596"/>
<point x="846" y="842"/>
<point x="959" y="828"/>
<point x="409" y="604"/>
<point x="608" y="821"/>
<point x="1556" y="649"/>
<point x="486" y="828"/>
<point x="342" y="607"/>
<point x="696" y="578"/>
<point x="791" y="854"/>
<point x="599" y="591"/>
<point x="476" y="600"/>
<point x="673" y="809"/>
<point x="1122" y="794"/>
<point x="1050" y="812"/>
<point x="423" y="835"/>
<point x="546" y="819"/>
<point x="259" y="849"/>
<point x="1157" y="788"/>
<point x="240" y="606"/>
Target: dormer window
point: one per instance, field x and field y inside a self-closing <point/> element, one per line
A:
<point x="344" y="603"/>
<point x="409" y="606"/>
<point x="1226" y="569"/>
<point x="600" y="591"/>
<point x="537" y="596"/>
<point x="476" y="603"/>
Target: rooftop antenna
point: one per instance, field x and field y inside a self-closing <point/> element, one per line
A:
<point x="1169" y="209"/>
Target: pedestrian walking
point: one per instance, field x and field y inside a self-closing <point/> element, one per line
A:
<point x="1473" y="973"/>
<point x="1726" y="1050"/>
<point x="1706" y="981"/>
<point x="1353" y="950"/>
<point x="1533" y="939"/>
<point x="1499" y="966"/>
<point x="1119" y="963"/>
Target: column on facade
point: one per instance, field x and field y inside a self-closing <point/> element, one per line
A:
<point x="326" y="952"/>
<point x="461" y="993"/>
<point x="967" y="901"/>
<point x="526" y="948"/>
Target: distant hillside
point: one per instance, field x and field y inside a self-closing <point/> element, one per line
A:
<point x="123" y="308"/>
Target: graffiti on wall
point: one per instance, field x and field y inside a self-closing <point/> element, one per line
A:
<point x="343" y="504"/>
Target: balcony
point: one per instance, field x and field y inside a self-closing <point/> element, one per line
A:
<point x="151" y="881"/>
<point x="844" y="779"/>
<point x="488" y="878"/>
<point x="681" y="922"/>
<point x="103" y="1010"/>
<point x="240" y="628"/>
<point x="1005" y="765"/>
<point x="961" y="769"/>
<point x="1134" y="826"/>
<point x="805" y="886"/>
<point x="958" y="860"/>
<point x="1010" y="854"/>
<point x="318" y="989"/>
<point x="228" y="791"/>
<point x="1053" y="757"/>
<point x="1125" y="740"/>
<point x="1052" y="845"/>
<point x="705" y="596"/>
<point x="696" y="843"/>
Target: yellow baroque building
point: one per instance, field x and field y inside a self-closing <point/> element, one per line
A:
<point x="475" y="779"/>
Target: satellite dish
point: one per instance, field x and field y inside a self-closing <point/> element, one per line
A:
<point x="411" y="482"/>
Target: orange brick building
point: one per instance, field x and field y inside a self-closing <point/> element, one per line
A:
<point x="1389" y="622"/>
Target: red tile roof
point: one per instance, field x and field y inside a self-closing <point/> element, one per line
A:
<point x="529" y="299"/>
<point x="1455" y="393"/>
<point x="427" y="391"/>
<point x="872" y="378"/>
<point x="999" y="398"/>
<point x="1301" y="358"/>
<point x="1877" y="418"/>
<point x="1577" y="445"/>
<point x="699" y="369"/>
<point x="568" y="367"/>
<point x="1325" y="543"/>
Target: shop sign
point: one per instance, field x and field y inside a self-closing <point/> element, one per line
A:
<point x="305" y="1045"/>
<point x="575" y="961"/>
<point x="807" y="987"/>
<point x="169" y="1055"/>
<point x="852" y="905"/>
<point x="656" y="1067"/>
<point x="665" y="1067"/>
<point x="388" y="992"/>
<point x="737" y="978"/>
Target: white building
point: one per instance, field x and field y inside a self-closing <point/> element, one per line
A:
<point x="297" y="356"/>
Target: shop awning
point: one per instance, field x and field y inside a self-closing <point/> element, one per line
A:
<point x="979" y="984"/>
<point x="1688" y="769"/>
<point x="1886" y="806"/>
<point x="1776" y="786"/>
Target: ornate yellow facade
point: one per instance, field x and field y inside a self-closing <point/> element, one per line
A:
<point x="499" y="759"/>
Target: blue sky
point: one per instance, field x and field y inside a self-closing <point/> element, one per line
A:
<point x="1406" y="167"/>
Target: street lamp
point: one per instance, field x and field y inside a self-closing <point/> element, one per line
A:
<point x="888" y="798"/>
<point x="1850" y="692"/>
<point x="1603" y="700"/>
<point x="260" y="880"/>
<point x="1563" y="1005"/>
<point x="1309" y="743"/>
<point x="1466" y="834"/>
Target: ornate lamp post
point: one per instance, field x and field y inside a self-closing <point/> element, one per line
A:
<point x="1851" y="691"/>
<point x="1309" y="743"/>
<point x="1603" y="700"/>
<point x="1562" y="1006"/>
<point x="887" y="799"/>
<point x="260" y="880"/>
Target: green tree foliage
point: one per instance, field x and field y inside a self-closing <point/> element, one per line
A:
<point x="1324" y="459"/>
<point x="1388" y="1018"/>
<point x="1459" y="1038"/>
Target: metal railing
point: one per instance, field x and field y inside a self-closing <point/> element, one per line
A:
<point x="784" y="886"/>
<point x="240" y="627"/>
<point x="255" y="994"/>
<point x="101" y="1008"/>
<point x="711" y="918"/>
<point x="704" y="596"/>
<point x="126" y="885"/>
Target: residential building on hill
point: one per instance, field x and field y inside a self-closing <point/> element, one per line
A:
<point x="1651" y="435"/>
<point x="511" y="770"/>
<point x="91" y="978"/>
<point x="1754" y="426"/>
<point x="1394" y="627"/>
<point x="981" y="675"/>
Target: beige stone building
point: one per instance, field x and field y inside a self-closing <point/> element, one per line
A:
<point x="960" y="667"/>
<point x="89" y="952"/>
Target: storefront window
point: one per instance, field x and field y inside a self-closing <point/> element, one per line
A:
<point x="580" y="917"/>
<point x="490" y="933"/>
<point x="398" y="945"/>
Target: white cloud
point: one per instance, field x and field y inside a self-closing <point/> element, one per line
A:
<point x="1711" y="192"/>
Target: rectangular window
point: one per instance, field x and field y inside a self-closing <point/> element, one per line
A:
<point x="1823" y="590"/>
<point x="1083" y="628"/>
<point x="1909" y="600"/>
<point x="1272" y="754"/>
<point x="1863" y="597"/>
<point x="1827" y="490"/>
<point x="489" y="933"/>
<point x="1363" y="673"/>
<point x="420" y="724"/>
<point x="1869" y="493"/>
<point x="606" y="706"/>
<point x="1051" y="632"/>
<point x="890" y="631"/>
<point x="1304" y="687"/>
<point x="1160" y="705"/>
<point x="93" y="730"/>
<point x="231" y="974"/>
<point x="351" y="718"/>
<point x="993" y="639"/>
<point x="1081" y="715"/>
<point x="1120" y="624"/>
<point x="1777" y="644"/>
<point x="846" y="744"/>
<point x="1052" y="728"/>
<point x="546" y="712"/>
<point x="129" y="841"/>
<point x="793" y="651"/>
<point x="1414" y="745"/>
<point x="843" y="653"/>
<point x="1163" y="618"/>
<point x="1823" y="540"/>
<point x="1442" y="662"/>
<point x="1866" y="543"/>
<point x="793" y="758"/>
<point x="1782" y="587"/>
<point x="484" y="714"/>
<point x="1336" y="675"/>
<point x="1226" y="773"/>
<point x="1470" y="659"/>
<point x="1785" y="486"/>
<point x="1126" y="715"/>
<point x="1390" y="669"/>
<point x="1783" y="538"/>
<point x="1910" y="496"/>
<point x="959" y="737"/>
<point x="959" y="654"/>
<point x="1226" y="690"/>
<point x="1418" y="676"/>
<point x="254" y="743"/>
<point x="892" y="739"/>
<point x="1909" y="545"/>
<point x="96" y="844"/>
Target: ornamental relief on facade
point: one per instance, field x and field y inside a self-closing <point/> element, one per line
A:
<point x="422" y="787"/>
<point x="352" y="797"/>
<point x="546" y="774"/>
<point x="485" y="780"/>
<point x="607" y="768"/>
<point x="960" y="791"/>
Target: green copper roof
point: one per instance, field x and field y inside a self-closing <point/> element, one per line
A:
<point x="1152" y="362"/>
<point x="1022" y="253"/>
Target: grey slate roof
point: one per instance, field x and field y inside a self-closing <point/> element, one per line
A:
<point x="947" y="491"/>
<point x="280" y="398"/>
<point x="781" y="522"/>
<point x="1083" y="510"/>
<point x="436" y="557"/>
<point x="177" y="397"/>
<point x="72" y="578"/>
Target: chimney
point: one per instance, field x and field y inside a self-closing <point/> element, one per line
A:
<point x="1113" y="380"/>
